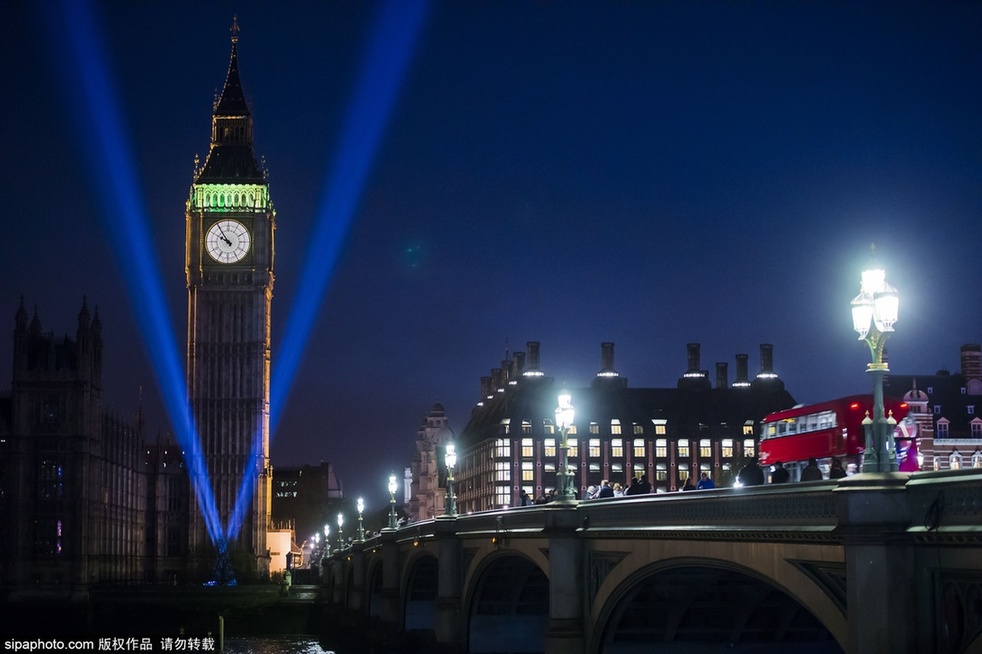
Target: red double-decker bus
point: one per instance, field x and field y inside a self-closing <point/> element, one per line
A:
<point x="821" y="431"/>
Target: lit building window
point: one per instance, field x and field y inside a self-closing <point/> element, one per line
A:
<point x="502" y="448"/>
<point x="617" y="467"/>
<point x="594" y="467"/>
<point x="617" y="448"/>
<point x="548" y="427"/>
<point x="506" y="426"/>
<point x="527" y="452"/>
<point x="661" y="448"/>
<point x="705" y="448"/>
<point x="683" y="447"/>
<point x="550" y="447"/>
<point x="748" y="428"/>
<point x="727" y="448"/>
<point x="502" y="471"/>
<point x="571" y="430"/>
<point x="661" y="427"/>
<point x="639" y="448"/>
<point x="573" y="445"/>
<point x="615" y="427"/>
<point x="749" y="447"/>
<point x="594" y="428"/>
<point x="502" y="496"/>
<point x="526" y="427"/>
<point x="594" y="447"/>
<point x="528" y="471"/>
<point x="638" y="429"/>
<point x="683" y="472"/>
<point x="549" y="466"/>
<point x="661" y="472"/>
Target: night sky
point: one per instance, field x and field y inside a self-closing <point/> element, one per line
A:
<point x="647" y="173"/>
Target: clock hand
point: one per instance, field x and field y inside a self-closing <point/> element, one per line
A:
<point x="224" y="238"/>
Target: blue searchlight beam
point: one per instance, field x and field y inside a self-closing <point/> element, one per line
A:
<point x="384" y="60"/>
<point x="99" y="126"/>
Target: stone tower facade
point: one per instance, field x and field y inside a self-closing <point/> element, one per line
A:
<point x="71" y="484"/>
<point x="229" y="265"/>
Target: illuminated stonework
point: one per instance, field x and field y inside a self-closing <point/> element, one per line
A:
<point x="229" y="197"/>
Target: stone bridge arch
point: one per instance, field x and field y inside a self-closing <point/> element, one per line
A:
<point x="507" y="604"/>
<point x="420" y="601"/>
<point x="373" y="588"/>
<point x="682" y="602"/>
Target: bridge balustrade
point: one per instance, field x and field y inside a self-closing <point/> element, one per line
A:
<point x="875" y="562"/>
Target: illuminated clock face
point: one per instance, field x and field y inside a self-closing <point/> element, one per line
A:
<point x="227" y="241"/>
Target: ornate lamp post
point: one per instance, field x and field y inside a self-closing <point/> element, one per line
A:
<point x="392" y="502"/>
<point x="450" y="459"/>
<point x="327" y="538"/>
<point x="340" y="533"/>
<point x="874" y="311"/>
<point x="361" y="525"/>
<point x="564" y="419"/>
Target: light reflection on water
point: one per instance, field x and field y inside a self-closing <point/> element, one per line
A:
<point x="275" y="645"/>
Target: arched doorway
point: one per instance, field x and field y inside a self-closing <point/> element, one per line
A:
<point x="509" y="608"/>
<point x="712" y="609"/>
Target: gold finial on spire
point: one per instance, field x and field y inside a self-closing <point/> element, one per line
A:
<point x="235" y="29"/>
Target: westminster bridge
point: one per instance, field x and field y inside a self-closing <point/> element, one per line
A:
<point x="879" y="562"/>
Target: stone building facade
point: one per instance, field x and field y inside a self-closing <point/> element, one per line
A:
<point x="511" y="442"/>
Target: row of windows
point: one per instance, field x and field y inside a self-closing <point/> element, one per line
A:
<point x="942" y="430"/>
<point x="684" y="447"/>
<point x="548" y="427"/>
<point x="800" y="425"/>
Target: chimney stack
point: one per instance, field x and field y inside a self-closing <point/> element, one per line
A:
<point x="766" y="362"/>
<point x="742" y="375"/>
<point x="607" y="361"/>
<point x="533" y="357"/>
<point x="721" y="381"/>
<point x="693" y="355"/>
<point x="972" y="361"/>
<point x="497" y="384"/>
<point x="518" y="360"/>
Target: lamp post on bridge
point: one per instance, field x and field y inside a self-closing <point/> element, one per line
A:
<point x="874" y="311"/>
<point x="392" y="502"/>
<point x="564" y="420"/>
<point x="340" y="533"/>
<point x="450" y="459"/>
<point x="361" y="525"/>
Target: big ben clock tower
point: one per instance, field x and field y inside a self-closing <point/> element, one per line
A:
<point x="229" y="264"/>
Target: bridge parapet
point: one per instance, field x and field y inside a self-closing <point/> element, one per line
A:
<point x="886" y="549"/>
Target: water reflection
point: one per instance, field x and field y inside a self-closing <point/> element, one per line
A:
<point x="275" y="645"/>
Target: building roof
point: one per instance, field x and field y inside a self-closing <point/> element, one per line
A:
<point x="685" y="408"/>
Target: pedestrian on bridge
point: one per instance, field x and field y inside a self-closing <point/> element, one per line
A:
<point x="811" y="472"/>
<point x="705" y="483"/>
<point x="751" y="474"/>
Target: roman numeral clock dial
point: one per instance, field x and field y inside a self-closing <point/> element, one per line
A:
<point x="227" y="241"/>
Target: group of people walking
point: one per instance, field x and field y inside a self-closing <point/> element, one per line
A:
<point x="752" y="474"/>
<point x="638" y="486"/>
<point x="749" y="475"/>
